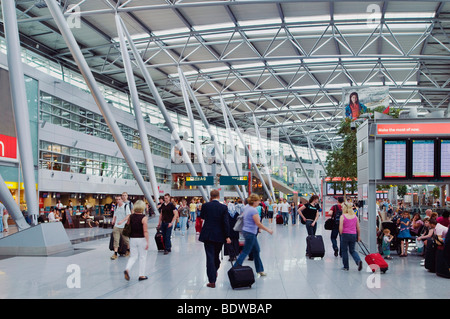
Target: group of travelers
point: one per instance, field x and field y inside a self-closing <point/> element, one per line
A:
<point x="217" y="219"/>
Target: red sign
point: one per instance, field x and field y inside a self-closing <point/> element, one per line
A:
<point x="414" y="129"/>
<point x="8" y="147"/>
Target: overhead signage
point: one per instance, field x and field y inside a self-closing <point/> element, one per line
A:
<point x="199" y="180"/>
<point x="422" y="158"/>
<point x="414" y="129"/>
<point x="233" y="180"/>
<point x="395" y="159"/>
<point x="445" y="158"/>
<point x="8" y="147"/>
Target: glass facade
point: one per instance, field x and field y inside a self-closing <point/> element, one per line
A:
<point x="57" y="157"/>
<point x="59" y="112"/>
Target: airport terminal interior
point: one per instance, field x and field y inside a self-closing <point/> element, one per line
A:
<point x="314" y="106"/>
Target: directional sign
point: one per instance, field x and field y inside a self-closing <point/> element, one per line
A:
<point x="233" y="180"/>
<point x="199" y="180"/>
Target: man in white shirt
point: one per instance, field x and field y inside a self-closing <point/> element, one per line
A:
<point x="120" y="213"/>
<point x="284" y="208"/>
<point x="52" y="218"/>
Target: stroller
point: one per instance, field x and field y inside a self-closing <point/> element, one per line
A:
<point x="395" y="243"/>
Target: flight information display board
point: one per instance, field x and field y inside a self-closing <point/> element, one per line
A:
<point x="394" y="159"/>
<point x="423" y="158"/>
<point x="445" y="158"/>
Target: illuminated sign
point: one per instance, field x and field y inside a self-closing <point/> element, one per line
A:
<point x="233" y="180"/>
<point x="199" y="180"/>
<point x="445" y="158"/>
<point x="394" y="159"/>
<point x="422" y="158"/>
<point x="8" y="147"/>
<point x="413" y="129"/>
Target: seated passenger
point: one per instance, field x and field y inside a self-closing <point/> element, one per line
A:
<point x="416" y="224"/>
<point x="52" y="217"/>
<point x="88" y="219"/>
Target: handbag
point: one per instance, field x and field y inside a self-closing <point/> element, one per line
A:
<point x="239" y="223"/>
<point x="127" y="229"/>
<point x="329" y="224"/>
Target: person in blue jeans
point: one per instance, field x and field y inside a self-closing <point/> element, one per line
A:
<point x="167" y="218"/>
<point x="350" y="234"/>
<point x="252" y="224"/>
<point x="309" y="213"/>
<point x="336" y="212"/>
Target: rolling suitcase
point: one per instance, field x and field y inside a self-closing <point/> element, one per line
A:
<point x="442" y="263"/>
<point x="198" y="224"/>
<point x="159" y="240"/>
<point x="279" y="219"/>
<point x="374" y="260"/>
<point x="315" y="246"/>
<point x="241" y="276"/>
<point x="430" y="256"/>
<point x="122" y="250"/>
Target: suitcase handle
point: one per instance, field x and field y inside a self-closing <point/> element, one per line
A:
<point x="364" y="248"/>
<point x="231" y="250"/>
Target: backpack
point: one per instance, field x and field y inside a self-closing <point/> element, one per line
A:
<point x="337" y="212"/>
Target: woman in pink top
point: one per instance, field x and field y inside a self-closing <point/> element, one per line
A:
<point x="350" y="234"/>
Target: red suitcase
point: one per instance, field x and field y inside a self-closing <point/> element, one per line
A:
<point x="279" y="219"/>
<point x="198" y="224"/>
<point x="375" y="261"/>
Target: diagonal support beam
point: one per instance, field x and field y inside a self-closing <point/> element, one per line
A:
<point x="249" y="154"/>
<point x="162" y="108"/>
<point x="208" y="127"/>
<point x="138" y="114"/>
<point x="96" y="93"/>
<point x="20" y="106"/>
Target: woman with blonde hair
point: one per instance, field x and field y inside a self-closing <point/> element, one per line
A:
<point x="350" y="234"/>
<point x="138" y="239"/>
<point x="252" y="224"/>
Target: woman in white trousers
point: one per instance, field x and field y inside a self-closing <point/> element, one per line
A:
<point x="138" y="240"/>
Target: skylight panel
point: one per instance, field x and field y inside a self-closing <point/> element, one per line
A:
<point x="409" y="15"/>
<point x="248" y="65"/>
<point x="317" y="18"/>
<point x="170" y="31"/>
<point x="259" y="22"/>
<point x="214" y="26"/>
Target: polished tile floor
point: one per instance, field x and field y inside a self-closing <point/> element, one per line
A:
<point x="89" y="272"/>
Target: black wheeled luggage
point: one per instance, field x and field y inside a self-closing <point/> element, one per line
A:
<point x="315" y="246"/>
<point x="159" y="240"/>
<point x="122" y="250"/>
<point x="241" y="277"/>
<point x="442" y="263"/>
<point x="430" y="256"/>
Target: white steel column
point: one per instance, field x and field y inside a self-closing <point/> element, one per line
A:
<point x="249" y="153"/>
<point x="20" y="106"/>
<point x="138" y="115"/>
<point x="197" y="145"/>
<point x="233" y="146"/>
<point x="218" y="151"/>
<point x="10" y="204"/>
<point x="61" y="22"/>
<point x="298" y="159"/>
<point x="162" y="108"/>
<point x="258" y="134"/>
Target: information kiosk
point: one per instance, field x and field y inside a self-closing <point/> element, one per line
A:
<point x="397" y="152"/>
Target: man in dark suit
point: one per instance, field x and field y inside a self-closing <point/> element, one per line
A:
<point x="215" y="232"/>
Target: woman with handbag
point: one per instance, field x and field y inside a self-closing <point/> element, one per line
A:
<point x="138" y="239"/>
<point x="252" y="224"/>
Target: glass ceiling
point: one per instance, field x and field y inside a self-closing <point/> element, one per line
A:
<point x="287" y="62"/>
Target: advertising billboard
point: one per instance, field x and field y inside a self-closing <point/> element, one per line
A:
<point x="361" y="100"/>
